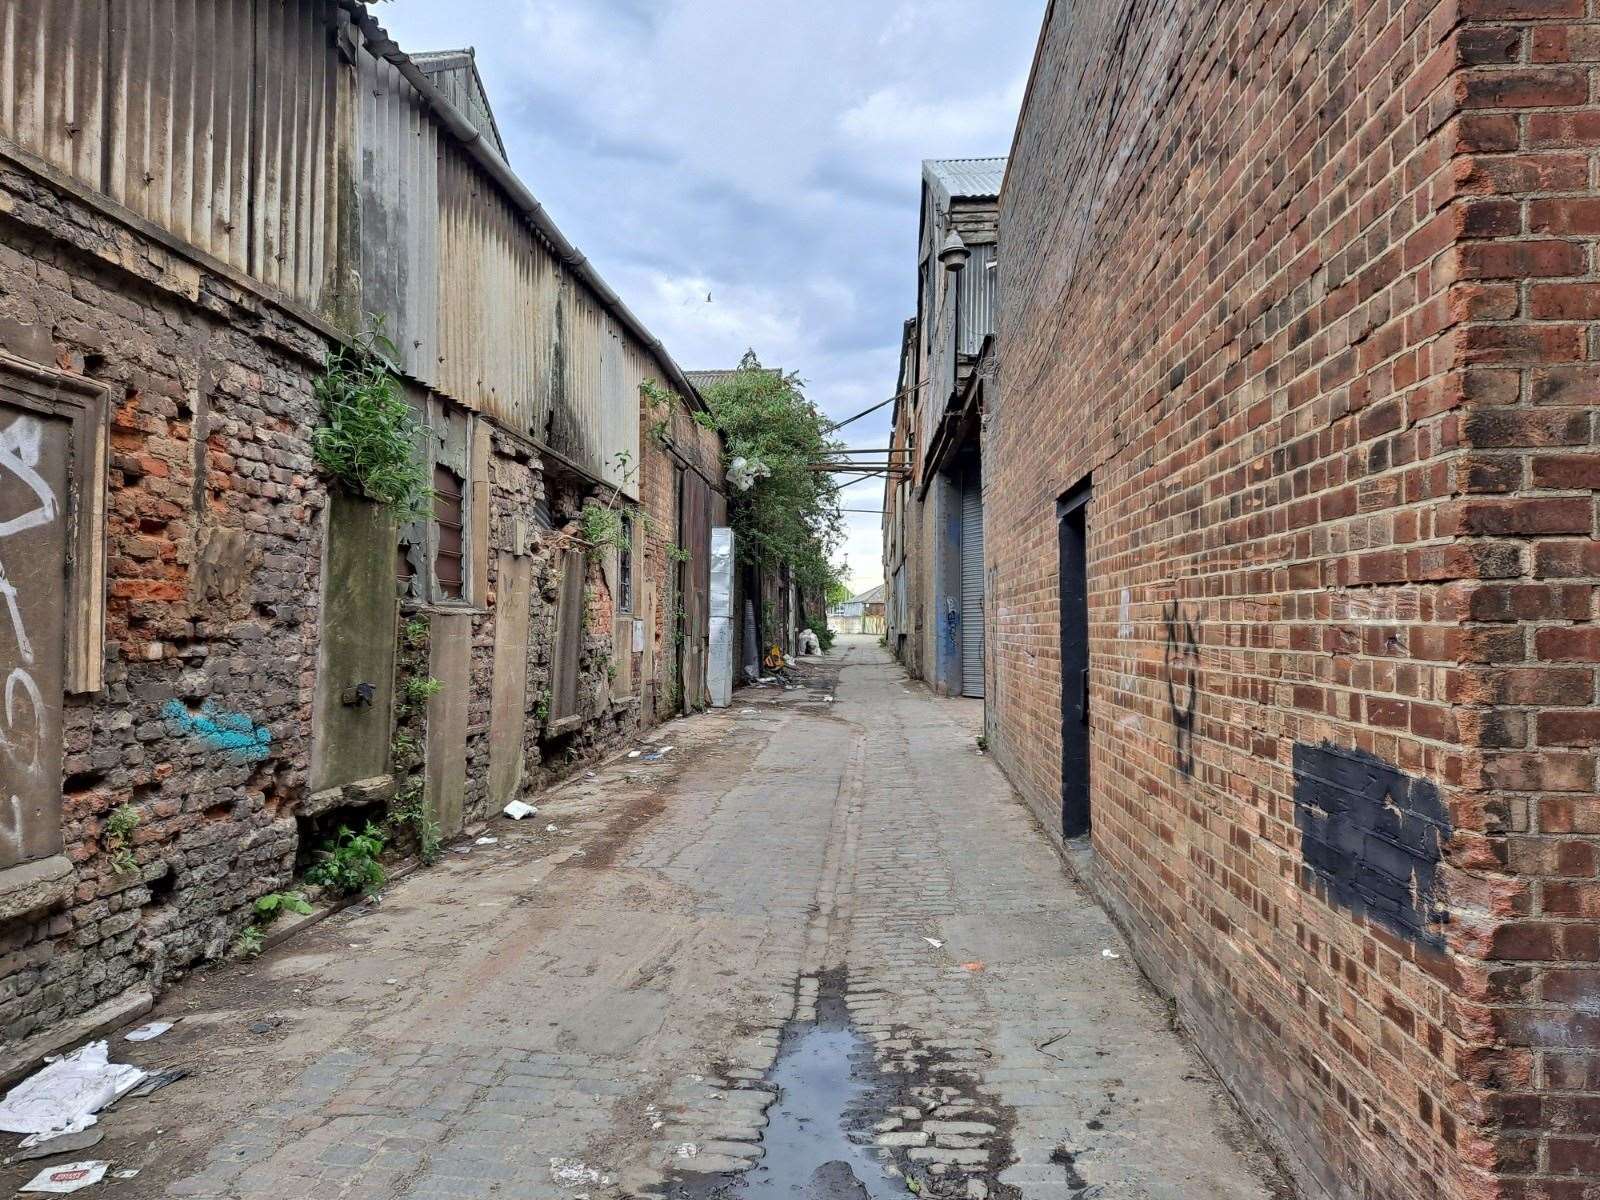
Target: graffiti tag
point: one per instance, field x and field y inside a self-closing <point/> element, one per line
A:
<point x="234" y="734"/>
<point x="1183" y="681"/>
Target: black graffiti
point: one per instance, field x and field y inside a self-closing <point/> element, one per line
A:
<point x="1374" y="836"/>
<point x="1183" y="681"/>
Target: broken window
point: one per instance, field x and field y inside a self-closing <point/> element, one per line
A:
<point x="431" y="555"/>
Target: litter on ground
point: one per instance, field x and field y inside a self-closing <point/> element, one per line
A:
<point x="68" y="1177"/>
<point x="65" y="1095"/>
<point x="159" y="1080"/>
<point x="1109" y="954"/>
<point x="934" y="942"/>
<point x="518" y="809"/>
<point x="38" y="1145"/>
<point x="487" y="841"/>
<point x="149" y="1032"/>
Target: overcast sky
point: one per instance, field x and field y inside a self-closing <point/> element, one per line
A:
<point x="767" y="155"/>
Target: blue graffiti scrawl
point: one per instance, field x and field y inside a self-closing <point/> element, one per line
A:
<point x="234" y="734"/>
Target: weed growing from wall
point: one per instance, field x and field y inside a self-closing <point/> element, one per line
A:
<point x="369" y="438"/>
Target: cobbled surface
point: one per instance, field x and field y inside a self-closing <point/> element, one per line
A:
<point x="592" y="1010"/>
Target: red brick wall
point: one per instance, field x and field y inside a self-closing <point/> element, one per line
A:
<point x="1310" y="290"/>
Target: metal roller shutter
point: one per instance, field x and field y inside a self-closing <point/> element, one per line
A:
<point x="972" y="585"/>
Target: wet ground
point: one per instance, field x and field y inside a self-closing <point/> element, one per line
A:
<point x="818" y="950"/>
<point x="820" y="1126"/>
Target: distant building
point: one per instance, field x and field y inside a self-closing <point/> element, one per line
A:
<point x="933" y="505"/>
<point x="859" y="614"/>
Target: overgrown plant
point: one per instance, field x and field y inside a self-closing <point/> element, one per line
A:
<point x="349" y="863"/>
<point x="118" y="838"/>
<point x="369" y="438"/>
<point x="410" y="811"/>
<point x="248" y="943"/>
<point x="789" y="513"/>
<point x="273" y="905"/>
<point x="420" y="689"/>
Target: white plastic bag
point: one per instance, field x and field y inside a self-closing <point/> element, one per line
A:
<point x="65" y="1095"/>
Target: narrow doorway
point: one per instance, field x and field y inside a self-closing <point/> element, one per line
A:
<point x="972" y="581"/>
<point x="1072" y="531"/>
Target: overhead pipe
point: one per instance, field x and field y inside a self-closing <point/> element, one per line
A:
<point x="381" y="45"/>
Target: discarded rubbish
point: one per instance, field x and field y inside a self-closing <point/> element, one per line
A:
<point x="69" y="1177"/>
<point x="37" y="1145"/>
<point x="518" y="809"/>
<point x="552" y="829"/>
<point x="487" y="841"/>
<point x="1109" y="954"/>
<point x="392" y="982"/>
<point x="747" y="712"/>
<point x="65" y="1095"/>
<point x="934" y="942"/>
<point x="657" y="755"/>
<point x="974" y="967"/>
<point x="125" y="1173"/>
<point x="688" y="1150"/>
<point x="570" y="1170"/>
<point x="159" y="1080"/>
<point x="149" y="1032"/>
<point x="635" y="753"/>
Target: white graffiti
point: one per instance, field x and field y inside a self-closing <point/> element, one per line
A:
<point x="20" y="446"/>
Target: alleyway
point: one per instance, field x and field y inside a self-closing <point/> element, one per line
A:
<point x="589" y="1006"/>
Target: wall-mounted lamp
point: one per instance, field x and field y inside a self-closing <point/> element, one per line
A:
<point x="954" y="253"/>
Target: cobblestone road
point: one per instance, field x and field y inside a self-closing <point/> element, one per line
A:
<point x="590" y="1006"/>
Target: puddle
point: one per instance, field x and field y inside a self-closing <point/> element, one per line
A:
<point x="825" y="1092"/>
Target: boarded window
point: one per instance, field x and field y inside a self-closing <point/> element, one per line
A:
<point x="569" y="640"/>
<point x="52" y="497"/>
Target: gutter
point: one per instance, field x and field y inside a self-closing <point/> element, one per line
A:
<point x="381" y="45"/>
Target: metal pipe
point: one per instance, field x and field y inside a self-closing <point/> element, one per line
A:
<point x="381" y="45"/>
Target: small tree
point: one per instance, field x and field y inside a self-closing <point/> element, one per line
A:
<point x="790" y="512"/>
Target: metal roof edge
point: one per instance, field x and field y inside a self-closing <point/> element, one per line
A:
<point x="463" y="131"/>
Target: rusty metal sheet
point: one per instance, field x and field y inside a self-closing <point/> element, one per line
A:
<point x="52" y="82"/>
<point x="398" y="168"/>
<point x="35" y="453"/>
<point x="496" y="299"/>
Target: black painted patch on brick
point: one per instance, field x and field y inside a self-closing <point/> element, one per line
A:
<point x="1374" y="836"/>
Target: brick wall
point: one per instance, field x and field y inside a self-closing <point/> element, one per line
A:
<point x="1308" y="289"/>
<point x="213" y="551"/>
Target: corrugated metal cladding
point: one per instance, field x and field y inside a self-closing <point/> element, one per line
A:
<point x="218" y="125"/>
<point x="496" y="299"/>
<point x="978" y="292"/>
<point x="623" y="368"/>
<point x="575" y="423"/>
<point x="181" y="74"/>
<point x="296" y="146"/>
<point x="456" y="77"/>
<point x="52" y="82"/>
<point x="398" y="157"/>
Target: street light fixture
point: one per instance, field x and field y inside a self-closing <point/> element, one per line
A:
<point x="954" y="253"/>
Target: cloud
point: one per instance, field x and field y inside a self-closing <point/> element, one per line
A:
<point x="767" y="154"/>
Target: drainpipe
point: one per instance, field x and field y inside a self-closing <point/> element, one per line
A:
<point x="381" y="45"/>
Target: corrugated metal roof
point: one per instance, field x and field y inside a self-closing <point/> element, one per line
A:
<point x="964" y="178"/>
<point x="455" y="73"/>
<point x="705" y="379"/>
<point x="870" y="596"/>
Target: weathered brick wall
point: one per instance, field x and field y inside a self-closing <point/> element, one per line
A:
<point x="213" y="553"/>
<point x="1308" y="289"/>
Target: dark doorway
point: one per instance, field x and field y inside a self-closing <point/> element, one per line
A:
<point x="1072" y="530"/>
